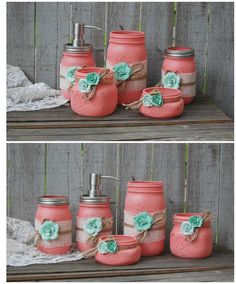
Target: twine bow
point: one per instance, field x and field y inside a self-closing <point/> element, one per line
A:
<point x="105" y="78"/>
<point x="138" y="73"/>
<point x="206" y="217"/>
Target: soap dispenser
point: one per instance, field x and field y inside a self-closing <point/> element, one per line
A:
<point x="94" y="217"/>
<point x="75" y="55"/>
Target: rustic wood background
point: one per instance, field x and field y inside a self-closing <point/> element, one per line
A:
<point x="36" y="33"/>
<point x="196" y="177"/>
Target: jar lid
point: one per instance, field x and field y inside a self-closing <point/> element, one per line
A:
<point x="94" y="200"/>
<point x="53" y="200"/>
<point x="78" y="49"/>
<point x="179" y="51"/>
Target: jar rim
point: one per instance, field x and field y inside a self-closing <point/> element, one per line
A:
<point x="85" y="70"/>
<point x="126" y="34"/>
<point x="179" y="51"/>
<point x="168" y="94"/>
<point x="146" y="184"/>
<point x="53" y="200"/>
<point x="181" y="217"/>
<point x="122" y="240"/>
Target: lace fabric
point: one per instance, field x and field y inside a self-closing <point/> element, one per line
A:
<point x="19" y="253"/>
<point x="22" y="95"/>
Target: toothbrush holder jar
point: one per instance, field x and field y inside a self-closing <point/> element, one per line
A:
<point x="145" y="215"/>
<point x="73" y="59"/>
<point x="94" y="92"/>
<point x="191" y="235"/>
<point x="53" y="223"/>
<point x="179" y="71"/>
<point x="127" y="56"/>
<point x="118" y="250"/>
<point x="163" y="103"/>
<point x="94" y="220"/>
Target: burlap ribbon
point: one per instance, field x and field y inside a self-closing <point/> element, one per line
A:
<point x="106" y="227"/>
<point x="106" y="79"/>
<point x="138" y="73"/>
<point x="36" y="236"/>
<point x="158" y="223"/>
<point x="182" y="84"/>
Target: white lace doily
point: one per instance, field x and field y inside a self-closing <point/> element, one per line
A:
<point x="19" y="253"/>
<point x="22" y="95"/>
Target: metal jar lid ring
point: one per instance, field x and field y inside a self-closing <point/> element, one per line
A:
<point x="179" y="51"/>
<point x="53" y="200"/>
<point x="78" y="49"/>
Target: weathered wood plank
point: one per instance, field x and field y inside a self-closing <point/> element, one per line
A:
<point x="20" y="36"/>
<point x="135" y="161"/>
<point x="226" y="197"/>
<point x="82" y="269"/>
<point x="25" y="179"/>
<point x="191" y="30"/>
<point x="187" y="132"/>
<point x="46" y="43"/>
<point x="168" y="166"/>
<point x="157" y="25"/>
<point x="221" y="53"/>
<point x="203" y="180"/>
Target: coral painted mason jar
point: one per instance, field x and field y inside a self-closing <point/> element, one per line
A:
<point x="74" y="58"/>
<point x="181" y="61"/>
<point x="94" y="92"/>
<point x="53" y="222"/>
<point x="191" y="235"/>
<point x="145" y="215"/>
<point x="161" y="102"/>
<point x="118" y="250"/>
<point x="127" y="56"/>
<point x="94" y="220"/>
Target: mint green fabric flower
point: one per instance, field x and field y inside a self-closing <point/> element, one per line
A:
<point x="171" y="80"/>
<point x="70" y="74"/>
<point x="122" y="71"/>
<point x="196" y="221"/>
<point x="84" y="87"/>
<point x="147" y="101"/>
<point x="93" y="226"/>
<point x="49" y="231"/>
<point x="107" y="247"/>
<point x="157" y="99"/>
<point x="186" y="228"/>
<point x="93" y="78"/>
<point x="143" y="221"/>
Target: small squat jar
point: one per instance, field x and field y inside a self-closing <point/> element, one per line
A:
<point x="127" y="56"/>
<point x="181" y="61"/>
<point x="53" y="221"/>
<point x="94" y="95"/>
<point x="94" y="220"/>
<point x="118" y="250"/>
<point x="171" y="104"/>
<point x="145" y="215"/>
<point x="73" y="58"/>
<point x="187" y="241"/>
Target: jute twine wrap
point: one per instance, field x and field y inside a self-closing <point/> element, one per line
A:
<point x="206" y="216"/>
<point x="105" y="79"/>
<point x="106" y="227"/>
<point x="93" y="251"/>
<point x="36" y="236"/>
<point x="158" y="223"/>
<point x="138" y="73"/>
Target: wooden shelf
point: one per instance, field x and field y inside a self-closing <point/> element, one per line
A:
<point x="201" y="120"/>
<point x="218" y="267"/>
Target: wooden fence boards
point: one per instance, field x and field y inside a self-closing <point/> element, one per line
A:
<point x="20" y="36"/>
<point x="221" y="56"/>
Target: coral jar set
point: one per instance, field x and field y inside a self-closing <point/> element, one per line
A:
<point x="144" y="226"/>
<point x="96" y="91"/>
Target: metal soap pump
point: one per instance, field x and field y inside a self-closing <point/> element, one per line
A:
<point x="94" y="214"/>
<point x="76" y="54"/>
